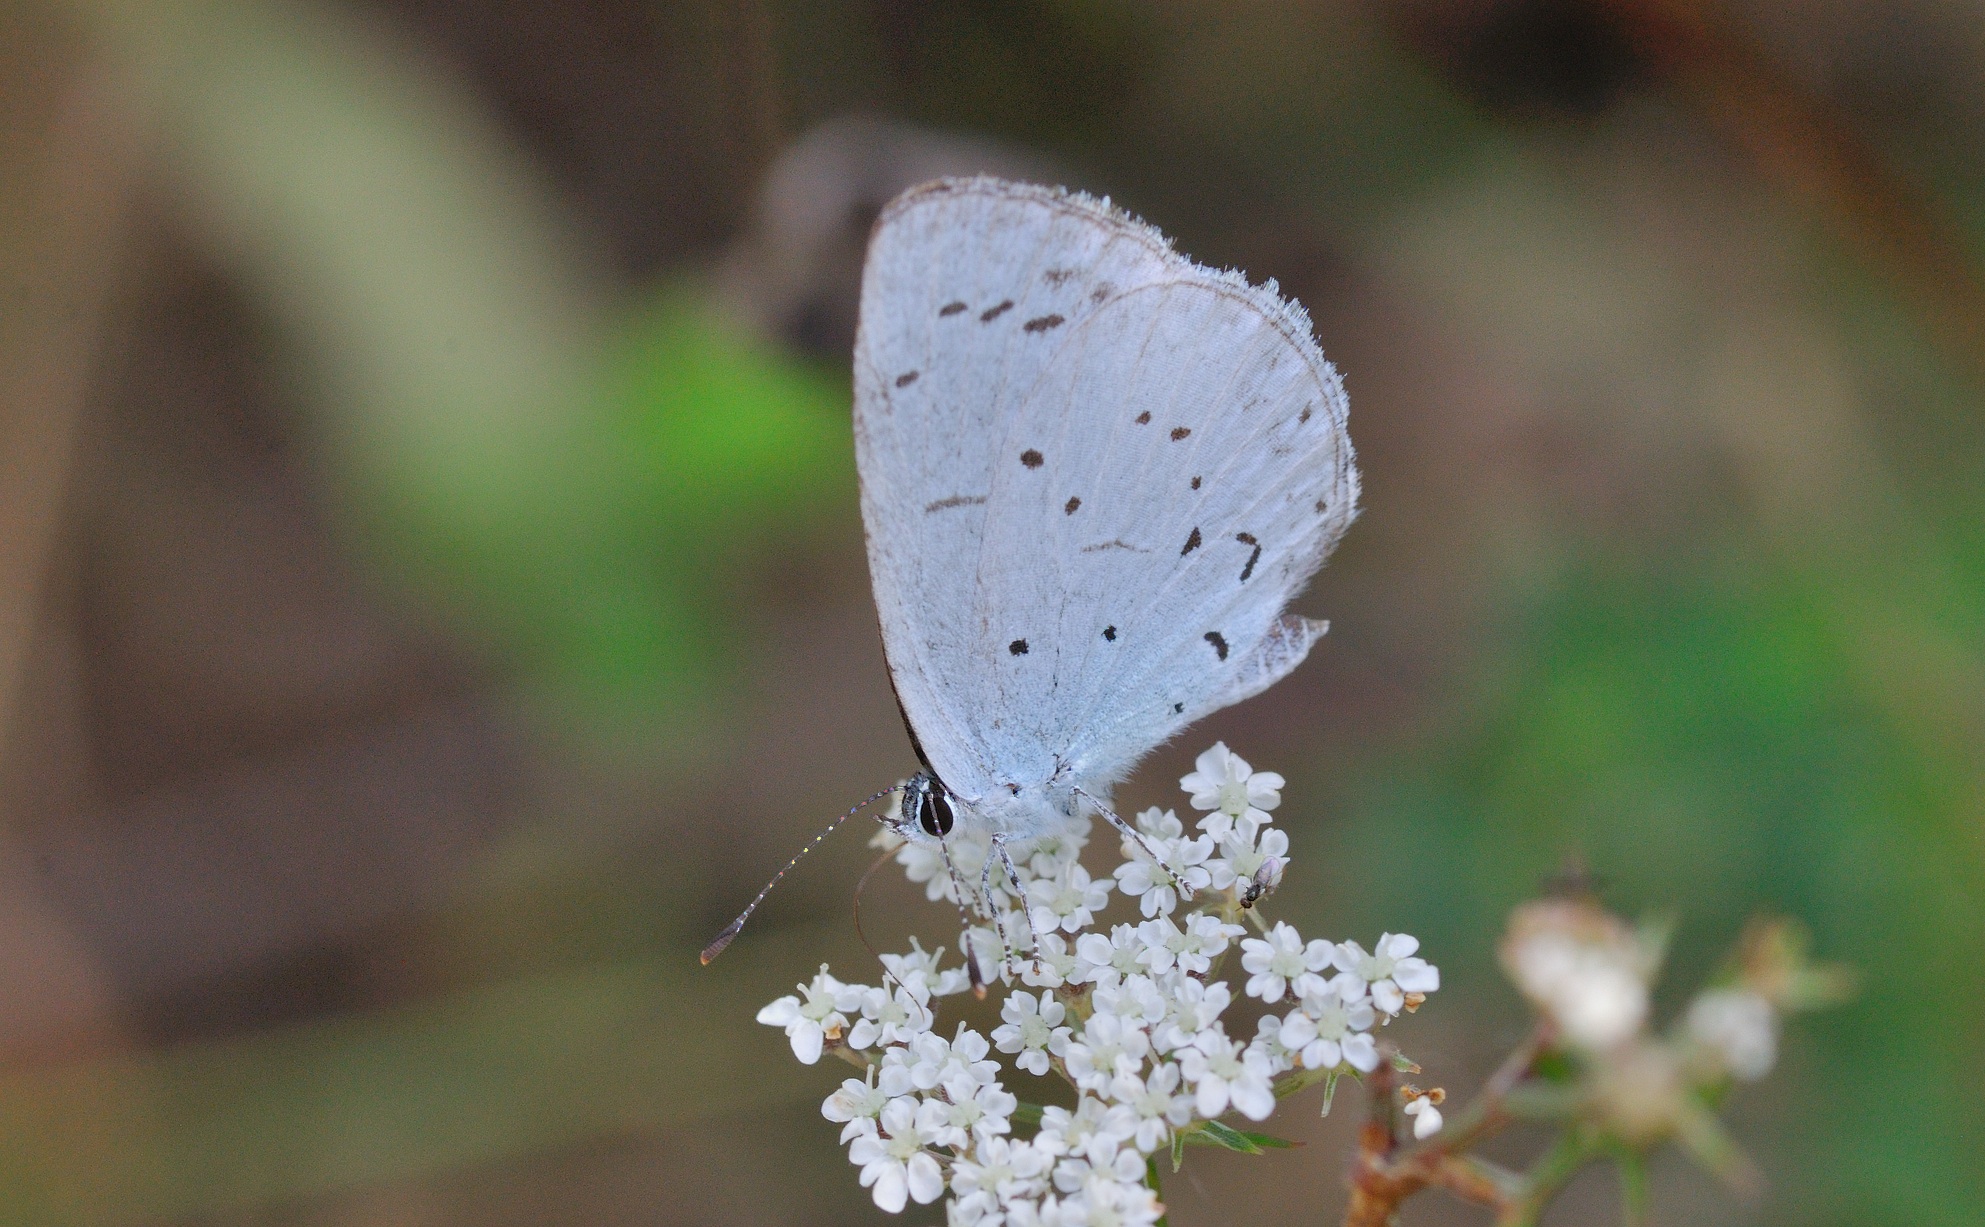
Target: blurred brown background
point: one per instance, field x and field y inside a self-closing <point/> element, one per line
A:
<point x="432" y="600"/>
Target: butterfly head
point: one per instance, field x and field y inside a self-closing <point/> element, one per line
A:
<point x="927" y="812"/>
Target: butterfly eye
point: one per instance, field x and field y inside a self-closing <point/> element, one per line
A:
<point x="934" y="815"/>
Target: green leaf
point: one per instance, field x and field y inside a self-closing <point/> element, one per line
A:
<point x="1178" y="1150"/>
<point x="1329" y="1091"/>
<point x="1216" y="1134"/>
<point x="1028" y="1113"/>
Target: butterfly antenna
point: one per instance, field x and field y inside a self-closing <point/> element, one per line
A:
<point x="964" y="921"/>
<point x="735" y="927"/>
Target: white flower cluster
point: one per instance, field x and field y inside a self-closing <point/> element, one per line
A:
<point x="1129" y="1016"/>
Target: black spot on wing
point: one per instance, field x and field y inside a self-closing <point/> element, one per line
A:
<point x="1102" y="291"/>
<point x="951" y="308"/>
<point x="1042" y="323"/>
<point x="1031" y="458"/>
<point x="1071" y="506"/>
<point x="1144" y="418"/>
<point x="1304" y="416"/>
<point x="1218" y="641"/>
<point x="906" y="379"/>
<point x="1180" y="432"/>
<point x="1055" y="276"/>
<point x="990" y="314"/>
<point x="1191" y="543"/>
<point x="956" y="500"/>
<point x="1177" y="708"/>
<point x="1117" y="543"/>
<point x="1110" y="633"/>
<point x="1019" y="648"/>
<point x="1248" y="539"/>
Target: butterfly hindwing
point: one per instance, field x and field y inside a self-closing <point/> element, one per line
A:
<point x="1094" y="474"/>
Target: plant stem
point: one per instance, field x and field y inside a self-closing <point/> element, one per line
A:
<point x="1633" y="1190"/>
<point x="1151" y="1180"/>
<point x="1552" y="1171"/>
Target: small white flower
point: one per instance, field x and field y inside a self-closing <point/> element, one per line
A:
<point x="1003" y="1170"/>
<point x="1191" y="949"/>
<point x="1243" y="859"/>
<point x="1390" y="971"/>
<point x="1282" y="959"/>
<point x="973" y="1112"/>
<point x="931" y="1061"/>
<point x="1032" y="1029"/>
<point x="1109" y="1046"/>
<point x="921" y="966"/>
<point x="1152" y="883"/>
<point x="1238" y="794"/>
<point x="892" y="1016"/>
<point x="812" y="1018"/>
<point x="1740" y="1028"/>
<point x="1137" y="1000"/>
<point x="1221" y="1073"/>
<point x="1109" y="1194"/>
<point x="1426" y="1117"/>
<point x="858" y="1099"/>
<point x="1051" y="964"/>
<point x="1076" y="1173"/>
<point x="1088" y="1132"/>
<point x="1154" y="1105"/>
<point x="892" y="1157"/>
<point x="1049" y="853"/>
<point x="1068" y="901"/>
<point x="1105" y="960"/>
<point x="1193" y="1017"/>
<point x="1329" y="1031"/>
<point x="1270" y="1041"/>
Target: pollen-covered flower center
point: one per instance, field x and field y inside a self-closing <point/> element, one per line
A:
<point x="1332" y="1023"/>
<point x="1234" y="797"/>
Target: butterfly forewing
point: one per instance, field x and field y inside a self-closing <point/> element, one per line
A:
<point x="1093" y="476"/>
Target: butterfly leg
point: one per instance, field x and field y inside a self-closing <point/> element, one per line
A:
<point x="986" y="898"/>
<point x="1020" y="893"/>
<point x="1137" y="837"/>
<point x="965" y="924"/>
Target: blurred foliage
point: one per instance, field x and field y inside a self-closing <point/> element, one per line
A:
<point x="1697" y="728"/>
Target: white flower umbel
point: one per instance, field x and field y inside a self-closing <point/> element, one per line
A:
<point x="1130" y="1014"/>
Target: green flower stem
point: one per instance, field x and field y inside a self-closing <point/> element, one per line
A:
<point x="1552" y="1171"/>
<point x="1633" y="1189"/>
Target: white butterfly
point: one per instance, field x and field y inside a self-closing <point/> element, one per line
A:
<point x="1093" y="476"/>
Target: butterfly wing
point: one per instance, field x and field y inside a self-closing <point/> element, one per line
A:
<point x="1093" y="476"/>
